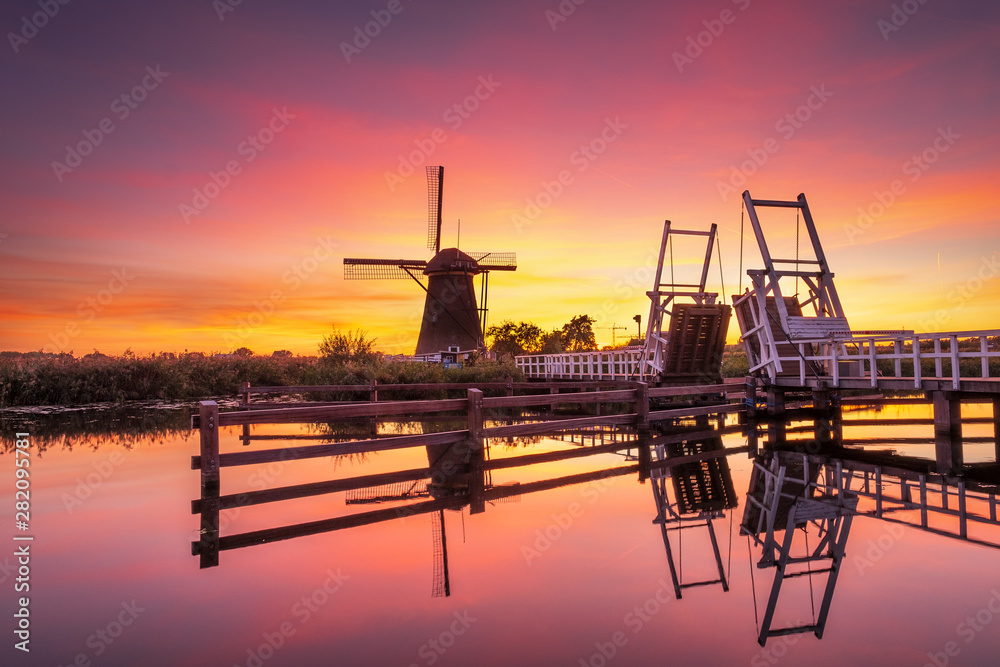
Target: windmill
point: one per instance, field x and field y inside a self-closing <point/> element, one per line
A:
<point x="452" y="320"/>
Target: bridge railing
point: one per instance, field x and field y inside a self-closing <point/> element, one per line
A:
<point x="954" y="355"/>
<point x="606" y="365"/>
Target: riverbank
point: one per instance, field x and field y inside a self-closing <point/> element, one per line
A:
<point x="37" y="378"/>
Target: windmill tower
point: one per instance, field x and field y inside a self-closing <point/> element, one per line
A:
<point x="452" y="319"/>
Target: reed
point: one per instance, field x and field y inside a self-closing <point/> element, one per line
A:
<point x="37" y="378"/>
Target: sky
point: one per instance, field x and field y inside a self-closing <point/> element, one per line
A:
<point x="190" y="175"/>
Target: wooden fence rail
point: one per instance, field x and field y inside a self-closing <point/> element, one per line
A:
<point x="210" y="461"/>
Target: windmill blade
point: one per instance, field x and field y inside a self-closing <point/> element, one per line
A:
<point x="435" y="193"/>
<point x="382" y="269"/>
<point x="440" y="583"/>
<point x="495" y="261"/>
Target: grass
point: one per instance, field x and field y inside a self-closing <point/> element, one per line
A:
<point x="37" y="378"/>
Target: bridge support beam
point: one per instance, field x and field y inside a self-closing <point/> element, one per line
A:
<point x="776" y="415"/>
<point x="947" y="431"/>
<point x="824" y="432"/>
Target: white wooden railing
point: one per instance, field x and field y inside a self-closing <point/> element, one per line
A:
<point x="857" y="356"/>
<point x="608" y="365"/>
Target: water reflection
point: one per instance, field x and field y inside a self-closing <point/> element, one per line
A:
<point x="565" y="533"/>
<point x="813" y="487"/>
<point x="691" y="492"/>
<point x="806" y="487"/>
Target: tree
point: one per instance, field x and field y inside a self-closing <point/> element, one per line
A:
<point x="243" y="352"/>
<point x="510" y="339"/>
<point x="552" y="342"/>
<point x="578" y="334"/>
<point x="340" y="347"/>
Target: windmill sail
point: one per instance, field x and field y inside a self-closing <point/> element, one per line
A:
<point x="382" y="269"/>
<point x="452" y="323"/>
<point x="440" y="583"/>
<point x="435" y="195"/>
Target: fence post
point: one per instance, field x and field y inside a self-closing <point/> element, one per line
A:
<point x="245" y="405"/>
<point x="996" y="426"/>
<point x="642" y="406"/>
<point x="208" y="546"/>
<point x="373" y="391"/>
<point x="947" y="432"/>
<point x="208" y="419"/>
<point x="477" y="479"/>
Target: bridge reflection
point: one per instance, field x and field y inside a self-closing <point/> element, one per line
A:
<point x="807" y="488"/>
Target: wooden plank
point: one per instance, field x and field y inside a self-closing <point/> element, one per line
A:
<point x="694" y="390"/>
<point x="499" y="492"/>
<point x="335" y="449"/>
<point x="337" y="523"/>
<point x="560" y="455"/>
<point x="260" y="497"/>
<point x="335" y="412"/>
<point x="694" y="412"/>
<point x="542" y="428"/>
<point x="366" y="518"/>
<point x="617" y="396"/>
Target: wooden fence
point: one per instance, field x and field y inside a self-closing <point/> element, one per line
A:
<point x="210" y="461"/>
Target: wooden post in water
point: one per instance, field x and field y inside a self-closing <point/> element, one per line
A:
<point x="642" y="406"/>
<point x="208" y="548"/>
<point x="245" y="405"/>
<point x="823" y="431"/>
<point x="642" y="426"/>
<point x="776" y="414"/>
<point x="477" y="453"/>
<point x="750" y="418"/>
<point x="996" y="426"/>
<point x="947" y="431"/>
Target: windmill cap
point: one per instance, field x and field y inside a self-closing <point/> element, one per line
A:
<point x="452" y="259"/>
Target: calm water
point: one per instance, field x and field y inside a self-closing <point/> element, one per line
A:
<point x="574" y="575"/>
